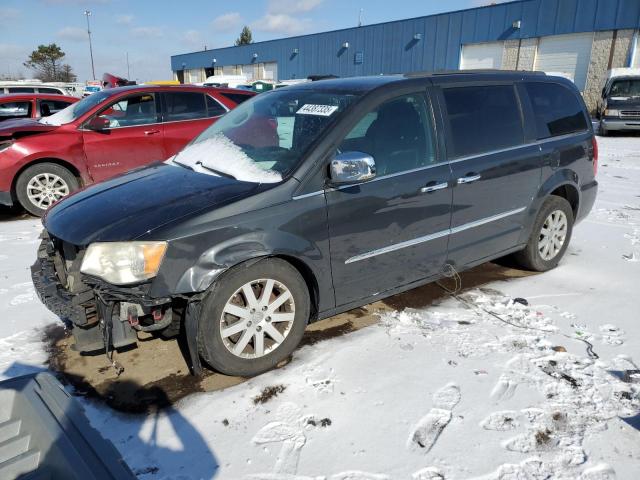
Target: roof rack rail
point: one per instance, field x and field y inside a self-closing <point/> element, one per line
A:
<point x="471" y="71"/>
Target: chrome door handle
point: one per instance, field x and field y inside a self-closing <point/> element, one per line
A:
<point x="433" y="188"/>
<point x="469" y="179"/>
<point x="151" y="132"/>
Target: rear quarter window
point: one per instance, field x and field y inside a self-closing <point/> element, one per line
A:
<point x="557" y="110"/>
<point x="483" y="119"/>
<point x="236" y="98"/>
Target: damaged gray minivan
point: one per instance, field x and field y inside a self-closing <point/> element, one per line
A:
<point x="317" y="198"/>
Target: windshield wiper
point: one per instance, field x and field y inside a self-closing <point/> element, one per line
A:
<point x="217" y="172"/>
<point x="183" y="165"/>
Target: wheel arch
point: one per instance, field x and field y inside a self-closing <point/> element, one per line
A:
<point x="63" y="163"/>
<point x="564" y="184"/>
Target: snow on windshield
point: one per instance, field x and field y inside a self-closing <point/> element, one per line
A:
<point x="222" y="155"/>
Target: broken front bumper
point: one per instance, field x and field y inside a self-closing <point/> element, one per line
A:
<point x="60" y="286"/>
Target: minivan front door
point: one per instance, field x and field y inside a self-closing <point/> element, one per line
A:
<point x="392" y="230"/>
<point x="132" y="137"/>
<point x="496" y="173"/>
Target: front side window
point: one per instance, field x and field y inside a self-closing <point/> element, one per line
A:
<point x="15" y="110"/>
<point x="265" y="138"/>
<point x="131" y="111"/>
<point x="398" y="135"/>
<point x="184" y="106"/>
<point x="557" y="110"/>
<point x="483" y="119"/>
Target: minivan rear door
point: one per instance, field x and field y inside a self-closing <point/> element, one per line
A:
<point x="392" y="230"/>
<point x="495" y="168"/>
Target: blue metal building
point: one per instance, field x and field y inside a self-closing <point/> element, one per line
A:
<point x="498" y="36"/>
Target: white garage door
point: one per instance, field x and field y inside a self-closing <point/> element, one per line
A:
<point x="271" y="71"/>
<point x="568" y="54"/>
<point x="481" y="55"/>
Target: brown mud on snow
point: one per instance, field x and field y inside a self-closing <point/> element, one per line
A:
<point x="156" y="374"/>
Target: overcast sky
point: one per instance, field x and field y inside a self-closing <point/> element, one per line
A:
<point x="152" y="30"/>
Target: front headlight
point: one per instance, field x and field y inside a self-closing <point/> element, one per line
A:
<point x="123" y="263"/>
<point x="610" y="112"/>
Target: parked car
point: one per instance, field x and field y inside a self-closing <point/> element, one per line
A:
<point x="619" y="109"/>
<point x="381" y="185"/>
<point x="23" y="87"/>
<point x="107" y="133"/>
<point x="33" y="105"/>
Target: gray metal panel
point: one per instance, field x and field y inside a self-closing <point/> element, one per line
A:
<point x="389" y="47"/>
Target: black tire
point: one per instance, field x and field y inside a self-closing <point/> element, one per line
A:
<point x="531" y="257"/>
<point x="210" y="342"/>
<point x="25" y="177"/>
<point x="602" y="132"/>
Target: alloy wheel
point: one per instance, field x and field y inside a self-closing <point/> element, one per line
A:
<point x="553" y="235"/>
<point x="257" y="318"/>
<point x="46" y="188"/>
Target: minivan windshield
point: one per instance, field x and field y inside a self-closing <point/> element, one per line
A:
<point x="75" y="110"/>
<point x="629" y="87"/>
<point x="265" y="138"/>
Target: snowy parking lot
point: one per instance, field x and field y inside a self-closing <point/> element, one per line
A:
<point x="525" y="377"/>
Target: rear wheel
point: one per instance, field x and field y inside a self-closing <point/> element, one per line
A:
<point x="40" y="185"/>
<point x="253" y="318"/>
<point x="550" y="236"/>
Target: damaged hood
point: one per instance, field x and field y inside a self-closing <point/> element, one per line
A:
<point x="21" y="127"/>
<point x="127" y="207"/>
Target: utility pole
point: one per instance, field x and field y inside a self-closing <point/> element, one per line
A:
<point x="93" y="70"/>
<point x="128" y="74"/>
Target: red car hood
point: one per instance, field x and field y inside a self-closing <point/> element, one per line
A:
<point x="23" y="126"/>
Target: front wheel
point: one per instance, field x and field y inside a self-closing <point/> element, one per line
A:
<point x="40" y="185"/>
<point x="253" y="318"/>
<point x="550" y="236"/>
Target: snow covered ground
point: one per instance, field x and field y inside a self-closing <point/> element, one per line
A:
<point x="479" y="386"/>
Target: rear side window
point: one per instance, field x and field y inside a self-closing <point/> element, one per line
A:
<point x="184" y="106"/>
<point x="483" y="119"/>
<point x="50" y="90"/>
<point x="49" y="107"/>
<point x="15" y="110"/>
<point x="21" y="90"/>
<point x="557" y="110"/>
<point x="214" y="108"/>
<point x="236" y="98"/>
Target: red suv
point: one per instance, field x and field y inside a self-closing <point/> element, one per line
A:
<point x="106" y="133"/>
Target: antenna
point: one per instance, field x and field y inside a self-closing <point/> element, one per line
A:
<point x="360" y="17"/>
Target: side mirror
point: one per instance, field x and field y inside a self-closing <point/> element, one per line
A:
<point x="97" y="124"/>
<point x="352" y="167"/>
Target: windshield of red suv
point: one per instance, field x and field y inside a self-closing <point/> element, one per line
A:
<point x="265" y="138"/>
<point x="76" y="110"/>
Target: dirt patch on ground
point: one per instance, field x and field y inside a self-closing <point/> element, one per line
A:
<point x="268" y="393"/>
<point x="156" y="374"/>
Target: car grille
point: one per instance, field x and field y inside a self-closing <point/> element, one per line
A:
<point x="630" y="113"/>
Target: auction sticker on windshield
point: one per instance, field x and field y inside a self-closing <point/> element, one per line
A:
<point x="321" y="110"/>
